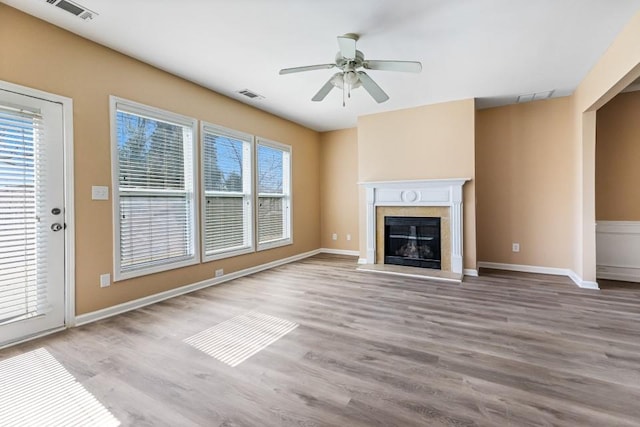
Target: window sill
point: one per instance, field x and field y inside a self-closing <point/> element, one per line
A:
<point x="227" y="254"/>
<point x="274" y="244"/>
<point x="125" y="275"/>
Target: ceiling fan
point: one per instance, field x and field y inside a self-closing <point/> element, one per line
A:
<point x="349" y="61"/>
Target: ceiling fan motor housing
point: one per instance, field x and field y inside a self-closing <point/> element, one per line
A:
<point x="352" y="64"/>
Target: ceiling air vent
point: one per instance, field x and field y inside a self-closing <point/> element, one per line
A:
<point x="73" y="8"/>
<point x="535" y="96"/>
<point x="250" y="94"/>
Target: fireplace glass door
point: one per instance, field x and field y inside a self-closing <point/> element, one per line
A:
<point x="412" y="241"/>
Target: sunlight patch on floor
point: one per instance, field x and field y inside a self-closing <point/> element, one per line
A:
<point x="237" y="339"/>
<point x="36" y="390"/>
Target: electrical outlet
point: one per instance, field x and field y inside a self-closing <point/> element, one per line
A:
<point x="105" y="280"/>
<point x="219" y="272"/>
<point x="515" y="247"/>
<point x="348" y="236"/>
<point x="334" y="236"/>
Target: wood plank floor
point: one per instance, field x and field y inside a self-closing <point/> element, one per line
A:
<point x="372" y="350"/>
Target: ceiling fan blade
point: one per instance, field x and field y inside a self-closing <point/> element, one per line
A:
<point x="372" y="87"/>
<point x="307" y="68"/>
<point x="406" y="66"/>
<point x="324" y="90"/>
<point x="347" y="45"/>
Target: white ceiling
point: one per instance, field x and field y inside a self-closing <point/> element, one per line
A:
<point x="493" y="50"/>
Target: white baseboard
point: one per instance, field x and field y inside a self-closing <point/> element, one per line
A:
<point x="362" y="260"/>
<point x="585" y="284"/>
<point x="339" y="252"/>
<point x="83" y="319"/>
<point x="541" y="270"/>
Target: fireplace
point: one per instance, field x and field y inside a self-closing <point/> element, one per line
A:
<point x="412" y="241"/>
<point x="420" y="198"/>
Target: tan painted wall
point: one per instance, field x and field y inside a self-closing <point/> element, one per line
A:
<point x="339" y="189"/>
<point x="41" y="56"/>
<point x="618" y="67"/>
<point x="617" y="154"/>
<point x="433" y="141"/>
<point x="523" y="183"/>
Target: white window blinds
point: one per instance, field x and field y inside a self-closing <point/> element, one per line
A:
<point x="155" y="190"/>
<point x="23" y="238"/>
<point x="274" y="194"/>
<point x="227" y="212"/>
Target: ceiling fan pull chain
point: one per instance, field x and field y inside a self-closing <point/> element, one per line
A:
<point x="344" y="86"/>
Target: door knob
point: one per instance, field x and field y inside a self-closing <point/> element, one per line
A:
<point x="56" y="226"/>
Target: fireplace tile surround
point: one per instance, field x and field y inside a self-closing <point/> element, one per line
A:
<point x="439" y="195"/>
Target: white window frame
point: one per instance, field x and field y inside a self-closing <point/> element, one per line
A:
<point x="206" y="127"/>
<point x="287" y="185"/>
<point x="116" y="104"/>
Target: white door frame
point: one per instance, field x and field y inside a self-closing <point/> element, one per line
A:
<point x="69" y="206"/>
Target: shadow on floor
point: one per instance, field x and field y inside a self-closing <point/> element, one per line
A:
<point x="617" y="284"/>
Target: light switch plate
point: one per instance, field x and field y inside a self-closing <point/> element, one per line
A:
<point x="105" y="280"/>
<point x="99" y="192"/>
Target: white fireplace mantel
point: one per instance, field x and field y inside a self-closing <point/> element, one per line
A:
<point x="429" y="192"/>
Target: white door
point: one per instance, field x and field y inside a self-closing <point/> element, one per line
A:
<point x="32" y="234"/>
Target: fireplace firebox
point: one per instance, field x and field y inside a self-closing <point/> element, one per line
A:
<point x="412" y="241"/>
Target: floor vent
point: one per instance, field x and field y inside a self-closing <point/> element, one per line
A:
<point x="237" y="339"/>
<point x="250" y="94"/>
<point x="73" y="8"/>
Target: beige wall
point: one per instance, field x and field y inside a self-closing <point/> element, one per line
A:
<point x="617" y="154"/>
<point x="433" y="141"/>
<point x="523" y="183"/>
<point x="441" y="138"/>
<point x="339" y="189"/>
<point x="41" y="56"/>
<point x="619" y="66"/>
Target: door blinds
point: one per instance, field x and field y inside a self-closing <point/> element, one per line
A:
<point x="23" y="236"/>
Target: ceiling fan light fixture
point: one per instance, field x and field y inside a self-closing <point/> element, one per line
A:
<point x="338" y="80"/>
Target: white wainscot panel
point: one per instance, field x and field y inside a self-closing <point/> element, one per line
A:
<point x="618" y="250"/>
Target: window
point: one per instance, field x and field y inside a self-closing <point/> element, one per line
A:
<point x="227" y="201"/>
<point x="274" y="194"/>
<point x="154" y="189"/>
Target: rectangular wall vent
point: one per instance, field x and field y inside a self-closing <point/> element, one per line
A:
<point x="250" y="94"/>
<point x="73" y="8"/>
<point x="535" y="96"/>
